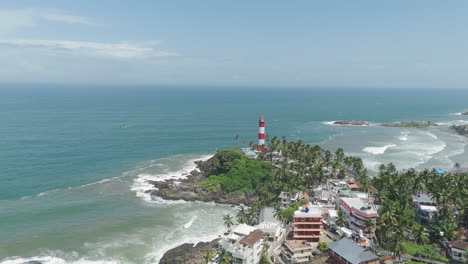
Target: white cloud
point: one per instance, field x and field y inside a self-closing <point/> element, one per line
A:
<point x="121" y="50"/>
<point x="13" y="19"/>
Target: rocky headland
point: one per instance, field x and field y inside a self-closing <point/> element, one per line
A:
<point x="187" y="189"/>
<point x="189" y="253"/>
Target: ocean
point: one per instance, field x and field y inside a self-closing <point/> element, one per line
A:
<point x="75" y="160"/>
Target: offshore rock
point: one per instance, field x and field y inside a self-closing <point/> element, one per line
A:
<point x="351" y="122"/>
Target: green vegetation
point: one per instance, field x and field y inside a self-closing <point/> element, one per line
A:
<point x="397" y="222"/>
<point x="264" y="259"/>
<point x="208" y="256"/>
<point x="288" y="213"/>
<point x="224" y="256"/>
<point x="462" y="130"/>
<point x="299" y="166"/>
<point x="228" y="221"/>
<point x="322" y="246"/>
<point x="248" y="216"/>
<point x="426" y="251"/>
<point x="416" y="124"/>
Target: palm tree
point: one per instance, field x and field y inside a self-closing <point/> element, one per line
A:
<point x="224" y="256"/>
<point x="341" y="219"/>
<point x="398" y="244"/>
<point x="208" y="256"/>
<point x="228" y="221"/>
<point x="241" y="215"/>
<point x="420" y="235"/>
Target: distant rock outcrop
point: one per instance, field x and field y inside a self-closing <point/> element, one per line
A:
<point x="416" y="124"/>
<point x="351" y="122"/>
<point x="466" y="113"/>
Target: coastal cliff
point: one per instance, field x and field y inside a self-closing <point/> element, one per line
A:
<point x="189" y="253"/>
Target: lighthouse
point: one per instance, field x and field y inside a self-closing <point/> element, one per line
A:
<point x="261" y="134"/>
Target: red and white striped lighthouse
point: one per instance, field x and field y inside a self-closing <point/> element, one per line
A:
<point x="261" y="134"/>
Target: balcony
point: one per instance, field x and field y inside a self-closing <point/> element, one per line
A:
<point x="298" y="229"/>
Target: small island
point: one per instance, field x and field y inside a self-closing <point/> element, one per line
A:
<point x="417" y="124"/>
<point x="466" y="113"/>
<point x="351" y="123"/>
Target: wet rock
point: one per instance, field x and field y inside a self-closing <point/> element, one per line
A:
<point x="189" y="253"/>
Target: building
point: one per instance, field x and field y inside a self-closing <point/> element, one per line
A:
<point x="425" y="207"/>
<point x="296" y="252"/>
<point x="244" y="243"/>
<point x="352" y="186"/>
<point x="345" y="251"/>
<point x="269" y="225"/>
<point x="307" y="223"/>
<point x="285" y="198"/>
<point x="357" y="212"/>
<point x="458" y="250"/>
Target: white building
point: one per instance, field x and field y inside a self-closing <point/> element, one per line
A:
<point x="425" y="207"/>
<point x="244" y="243"/>
<point x="357" y="212"/>
<point x="269" y="225"/>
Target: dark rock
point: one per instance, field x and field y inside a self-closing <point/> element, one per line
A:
<point x="466" y="113"/>
<point x="187" y="189"/>
<point x="32" y="262"/>
<point x="189" y="253"/>
<point x="351" y="122"/>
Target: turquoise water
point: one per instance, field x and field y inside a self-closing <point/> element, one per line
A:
<point x="74" y="160"/>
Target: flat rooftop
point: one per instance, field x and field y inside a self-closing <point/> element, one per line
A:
<point x="313" y="211"/>
<point x="359" y="205"/>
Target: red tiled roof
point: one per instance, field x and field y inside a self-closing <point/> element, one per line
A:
<point x="305" y="196"/>
<point x="460" y="244"/>
<point x="252" y="238"/>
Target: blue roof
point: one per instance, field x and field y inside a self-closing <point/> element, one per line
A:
<point x="351" y="251"/>
<point x="438" y="171"/>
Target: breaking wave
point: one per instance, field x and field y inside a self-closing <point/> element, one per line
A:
<point x="377" y="150"/>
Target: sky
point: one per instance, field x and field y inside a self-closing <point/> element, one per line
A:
<point x="305" y="43"/>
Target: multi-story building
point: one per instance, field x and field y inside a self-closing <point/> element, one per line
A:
<point x="458" y="250"/>
<point x="425" y="207"/>
<point x="307" y="223"/>
<point x="357" y="212"/>
<point x="345" y="251"/>
<point x="245" y="244"/>
<point x="294" y="252"/>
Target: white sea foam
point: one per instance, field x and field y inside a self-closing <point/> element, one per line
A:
<point x="54" y="260"/>
<point x="189" y="224"/>
<point x="76" y="187"/>
<point x="328" y="122"/>
<point x="377" y="150"/>
<point x="403" y="136"/>
<point x="192" y="235"/>
<point x="156" y="171"/>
